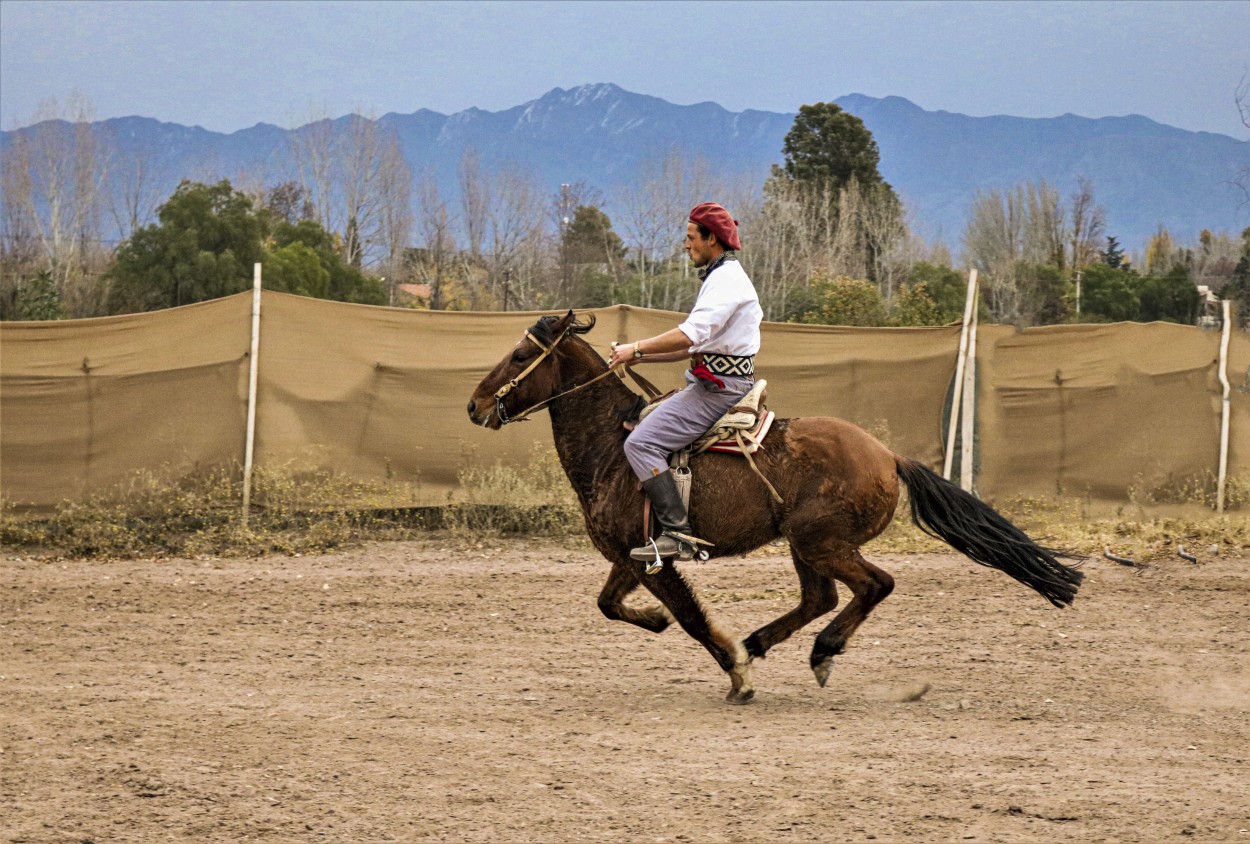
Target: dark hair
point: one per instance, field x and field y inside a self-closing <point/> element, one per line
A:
<point x="704" y="231"/>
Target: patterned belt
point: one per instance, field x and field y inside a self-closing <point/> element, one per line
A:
<point x="739" y="365"/>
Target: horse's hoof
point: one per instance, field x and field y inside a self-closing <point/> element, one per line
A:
<point x="740" y="697"/>
<point x="822" y="670"/>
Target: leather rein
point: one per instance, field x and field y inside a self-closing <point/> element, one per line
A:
<point x="502" y="412"/>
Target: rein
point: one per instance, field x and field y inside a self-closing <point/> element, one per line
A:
<point x="502" y="412"/>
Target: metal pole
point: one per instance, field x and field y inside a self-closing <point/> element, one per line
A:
<point x="253" y="360"/>
<point x="1225" y="409"/>
<point x="959" y="375"/>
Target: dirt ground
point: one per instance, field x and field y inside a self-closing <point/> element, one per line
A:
<point x="408" y="691"/>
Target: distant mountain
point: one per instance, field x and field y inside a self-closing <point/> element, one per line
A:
<point x="1144" y="173"/>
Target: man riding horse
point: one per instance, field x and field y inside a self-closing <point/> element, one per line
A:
<point x="721" y="336"/>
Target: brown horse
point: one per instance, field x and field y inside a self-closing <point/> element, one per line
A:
<point x="839" y="486"/>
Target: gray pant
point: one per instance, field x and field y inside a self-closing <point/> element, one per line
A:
<point x="680" y="420"/>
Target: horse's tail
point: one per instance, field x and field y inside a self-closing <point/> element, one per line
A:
<point x="972" y="527"/>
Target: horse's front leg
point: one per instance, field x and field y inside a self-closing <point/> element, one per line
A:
<point x="621" y="581"/>
<point x="676" y="594"/>
<point x="817" y="596"/>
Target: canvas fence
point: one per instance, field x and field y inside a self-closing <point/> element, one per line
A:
<point x="380" y="394"/>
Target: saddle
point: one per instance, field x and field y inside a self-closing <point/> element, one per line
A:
<point x="740" y="431"/>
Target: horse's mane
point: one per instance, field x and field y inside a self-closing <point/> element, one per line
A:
<point x="543" y="329"/>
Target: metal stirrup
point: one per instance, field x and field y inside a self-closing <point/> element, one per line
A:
<point x="653" y="566"/>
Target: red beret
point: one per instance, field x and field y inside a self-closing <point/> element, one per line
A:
<point x="717" y="220"/>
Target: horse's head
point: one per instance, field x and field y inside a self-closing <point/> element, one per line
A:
<point x="528" y="375"/>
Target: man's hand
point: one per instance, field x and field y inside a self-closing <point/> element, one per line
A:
<point x="622" y="353"/>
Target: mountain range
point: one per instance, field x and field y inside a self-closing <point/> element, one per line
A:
<point x="1145" y="174"/>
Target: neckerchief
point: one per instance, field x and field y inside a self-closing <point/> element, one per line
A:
<point x="727" y="255"/>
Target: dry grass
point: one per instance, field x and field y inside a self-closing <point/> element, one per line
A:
<point x="299" y="510"/>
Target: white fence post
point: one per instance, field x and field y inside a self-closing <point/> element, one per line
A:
<point x="253" y="362"/>
<point x="967" y="431"/>
<point x="1225" y="409"/>
<point x="959" y="374"/>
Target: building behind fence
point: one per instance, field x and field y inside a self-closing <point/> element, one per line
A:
<point x="1109" y="413"/>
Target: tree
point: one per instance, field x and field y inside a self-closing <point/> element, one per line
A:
<point x="359" y="184"/>
<point x="595" y="251"/>
<point x="288" y="203"/>
<point x="432" y="262"/>
<point x="829" y="147"/>
<point x="305" y="260"/>
<point x="1112" y="255"/>
<point x="1172" y="297"/>
<point x="947" y="288"/>
<point x="1045" y="294"/>
<point x="844" y="301"/>
<point x="1242" y="98"/>
<point x="1160" y="252"/>
<point x="51" y="189"/>
<point x="207" y="239"/>
<point x="1088" y="222"/>
<point x="39" y="299"/>
<point x="915" y="306"/>
<point x="655" y="206"/>
<point x="1109" y="294"/>
<point x="1027" y="243"/>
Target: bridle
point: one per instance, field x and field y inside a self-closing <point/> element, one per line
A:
<point x="502" y="412"/>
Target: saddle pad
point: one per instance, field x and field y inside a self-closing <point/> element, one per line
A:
<point x="752" y="438"/>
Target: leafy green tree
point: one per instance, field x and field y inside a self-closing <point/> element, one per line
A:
<point x="297" y="268"/>
<point x="589" y="238"/>
<point x="1170" y="298"/>
<point x="38" y="298"/>
<point x="329" y="277"/>
<point x="1045" y="291"/>
<point x="948" y="288"/>
<point x="1109" y="294"/>
<point x="915" y="306"/>
<point x="828" y="147"/>
<point x="844" y="301"/>
<point x="204" y="247"/>
<point x="588" y="247"/>
<point x="1113" y="255"/>
<point x="209" y="237"/>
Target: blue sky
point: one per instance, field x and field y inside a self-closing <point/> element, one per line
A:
<point x="228" y="65"/>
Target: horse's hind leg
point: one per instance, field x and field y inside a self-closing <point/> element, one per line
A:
<point x="817" y="596"/>
<point x="677" y="596"/>
<point x="621" y="581"/>
<point x="870" y="586"/>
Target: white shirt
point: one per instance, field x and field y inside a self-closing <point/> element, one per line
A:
<point x="726" y="316"/>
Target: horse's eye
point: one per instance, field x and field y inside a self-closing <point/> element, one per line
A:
<point x="518" y="356"/>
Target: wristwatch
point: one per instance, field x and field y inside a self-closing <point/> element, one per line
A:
<point x="637" y="352"/>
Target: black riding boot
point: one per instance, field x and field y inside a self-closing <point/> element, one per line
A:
<point x="675" y="539"/>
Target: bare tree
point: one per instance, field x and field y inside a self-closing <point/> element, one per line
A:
<point x="516" y="231"/>
<point x="1044" y="225"/>
<point x="1241" y="97"/>
<point x="139" y="184"/>
<point x="1088" y="225"/>
<point x="994" y="245"/>
<point x="432" y="261"/>
<point x="356" y="177"/>
<point x="53" y="177"/>
<point x="475" y="201"/>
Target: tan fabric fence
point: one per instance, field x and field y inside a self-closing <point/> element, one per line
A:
<point x="379" y="394"/>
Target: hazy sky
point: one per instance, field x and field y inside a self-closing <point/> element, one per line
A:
<point x="229" y="65"/>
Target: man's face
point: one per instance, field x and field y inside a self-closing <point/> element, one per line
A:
<point x="701" y="250"/>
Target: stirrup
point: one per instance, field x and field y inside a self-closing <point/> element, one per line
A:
<point x="654" y="566"/>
